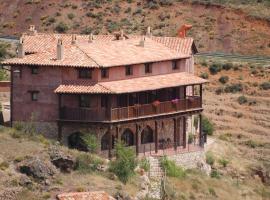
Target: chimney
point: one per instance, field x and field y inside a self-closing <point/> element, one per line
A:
<point x="60" y="50"/>
<point x="148" y="33"/>
<point x="142" y="41"/>
<point x="74" y="38"/>
<point x="32" y="30"/>
<point x="21" y="52"/>
<point x="91" y="38"/>
<point x="183" y="30"/>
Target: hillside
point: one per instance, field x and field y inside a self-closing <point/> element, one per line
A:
<point x="228" y="26"/>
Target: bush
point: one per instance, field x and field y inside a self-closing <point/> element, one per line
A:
<point x="61" y="27"/>
<point x="210" y="160"/>
<point x="87" y="163"/>
<point x="4" y="165"/>
<point x="144" y="164"/>
<point x="223" y="79"/>
<point x="70" y="16"/>
<point x="215" y="174"/>
<point x="242" y="99"/>
<point x="215" y="68"/>
<point x="227" y="66"/>
<point x="204" y="75"/>
<point x="212" y="192"/>
<point x="171" y="168"/>
<point x="223" y="162"/>
<point x="219" y="90"/>
<point x="233" y="88"/>
<point x="207" y="126"/>
<point x="265" y="85"/>
<point x="87" y="30"/>
<point x="91" y="142"/>
<point x="124" y="164"/>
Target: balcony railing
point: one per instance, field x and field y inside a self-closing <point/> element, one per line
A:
<point x="130" y="112"/>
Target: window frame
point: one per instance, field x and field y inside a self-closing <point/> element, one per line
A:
<point x="129" y="70"/>
<point x="84" y="73"/>
<point x="174" y="65"/>
<point x="148" y="68"/>
<point x="87" y="105"/>
<point x="104" y="73"/>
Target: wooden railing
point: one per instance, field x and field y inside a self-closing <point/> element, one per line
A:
<point x="95" y="114"/>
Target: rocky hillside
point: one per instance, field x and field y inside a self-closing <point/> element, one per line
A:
<point x="228" y="26"/>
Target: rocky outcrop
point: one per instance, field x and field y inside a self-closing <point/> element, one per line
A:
<point x="262" y="173"/>
<point x="37" y="168"/>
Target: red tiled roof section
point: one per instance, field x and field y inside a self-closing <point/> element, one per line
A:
<point x="85" y="196"/>
<point x="133" y="85"/>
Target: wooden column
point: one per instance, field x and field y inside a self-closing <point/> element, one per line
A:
<point x="178" y="131"/>
<point x="156" y="137"/>
<point x="201" y="139"/>
<point x="184" y="132"/>
<point x="137" y="139"/>
<point x="175" y="133"/>
<point x="201" y="93"/>
<point x="185" y="96"/>
<point x="11" y="95"/>
<point x="110" y="141"/>
<point x="59" y="106"/>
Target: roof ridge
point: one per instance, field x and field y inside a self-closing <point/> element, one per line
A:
<point x="104" y="87"/>
<point x="87" y="55"/>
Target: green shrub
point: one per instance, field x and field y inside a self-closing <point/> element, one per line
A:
<point x="87" y="30"/>
<point x="242" y="99"/>
<point x="215" y="68"/>
<point x="223" y="162"/>
<point x="61" y="27"/>
<point x="223" y="79"/>
<point x="190" y="138"/>
<point x="4" y="165"/>
<point x="219" y="90"/>
<point x="233" y="88"/>
<point x="87" y="163"/>
<point x="210" y="158"/>
<point x="227" y="66"/>
<point x="215" y="174"/>
<point x="144" y="164"/>
<point x="171" y="168"/>
<point x="207" y="126"/>
<point x="212" y="192"/>
<point x="204" y="75"/>
<point x="265" y="85"/>
<point x="252" y="144"/>
<point x="91" y="142"/>
<point x="124" y="164"/>
<point x="70" y="16"/>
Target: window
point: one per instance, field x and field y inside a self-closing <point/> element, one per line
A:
<point x="174" y="65"/>
<point x="104" y="101"/>
<point x="148" y="68"/>
<point x="85" y="73"/>
<point x="84" y="101"/>
<point x="129" y="70"/>
<point x="104" y="73"/>
<point x="34" y="70"/>
<point x="34" y="95"/>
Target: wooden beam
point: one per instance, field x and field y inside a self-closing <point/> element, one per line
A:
<point x="175" y="133"/>
<point x="156" y="137"/>
<point x="137" y="139"/>
<point x="201" y="91"/>
<point x="184" y="132"/>
<point x="201" y="139"/>
<point x="110" y="141"/>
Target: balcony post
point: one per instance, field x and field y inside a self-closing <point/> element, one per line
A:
<point x="175" y="133"/>
<point x="201" y="94"/>
<point x="185" y="96"/>
<point x="137" y="139"/>
<point x="200" y="132"/>
<point x="184" y="132"/>
<point x="156" y="137"/>
<point x="110" y="141"/>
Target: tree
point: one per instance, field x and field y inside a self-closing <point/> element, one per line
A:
<point x="124" y="164"/>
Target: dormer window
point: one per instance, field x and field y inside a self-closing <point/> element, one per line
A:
<point x="34" y="70"/>
<point x="174" y="65"/>
<point x="148" y="68"/>
<point x="85" y="73"/>
<point x="104" y="73"/>
<point x="129" y="70"/>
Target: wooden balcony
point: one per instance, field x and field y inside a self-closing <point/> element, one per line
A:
<point x="130" y="112"/>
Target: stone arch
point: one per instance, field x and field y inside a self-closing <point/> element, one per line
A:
<point x="147" y="135"/>
<point x="105" y="141"/>
<point x="127" y="137"/>
<point x="75" y="141"/>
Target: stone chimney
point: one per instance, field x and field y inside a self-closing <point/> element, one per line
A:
<point x="74" y="38"/>
<point x="148" y="33"/>
<point x="60" y="50"/>
<point x="142" y="41"/>
<point x="21" y="52"/>
<point x="182" y="32"/>
<point x="91" y="38"/>
<point x="32" y="30"/>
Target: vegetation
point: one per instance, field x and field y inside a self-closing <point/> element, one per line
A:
<point x="171" y="169"/>
<point x="144" y="164"/>
<point x="207" y="126"/>
<point x="265" y="85"/>
<point x="91" y="142"/>
<point x="234" y="88"/>
<point x="242" y="99"/>
<point x="223" y="79"/>
<point x="190" y="138"/>
<point x="61" y="27"/>
<point x="223" y="162"/>
<point x="124" y="164"/>
<point x="204" y="75"/>
<point x="215" y="174"/>
<point x="87" y="163"/>
<point x="215" y="68"/>
<point x="210" y="158"/>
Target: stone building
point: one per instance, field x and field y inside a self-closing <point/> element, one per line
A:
<point x="140" y="89"/>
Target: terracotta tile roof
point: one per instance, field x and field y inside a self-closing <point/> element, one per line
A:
<point x="85" y="196"/>
<point x="105" y="51"/>
<point x="132" y="85"/>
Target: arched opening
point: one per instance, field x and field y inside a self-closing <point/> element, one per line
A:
<point x="105" y="141"/>
<point x="128" y="137"/>
<point x="75" y="141"/>
<point x="147" y="135"/>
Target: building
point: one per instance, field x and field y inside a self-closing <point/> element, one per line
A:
<point x="140" y="89"/>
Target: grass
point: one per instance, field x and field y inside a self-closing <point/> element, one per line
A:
<point x="172" y="170"/>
